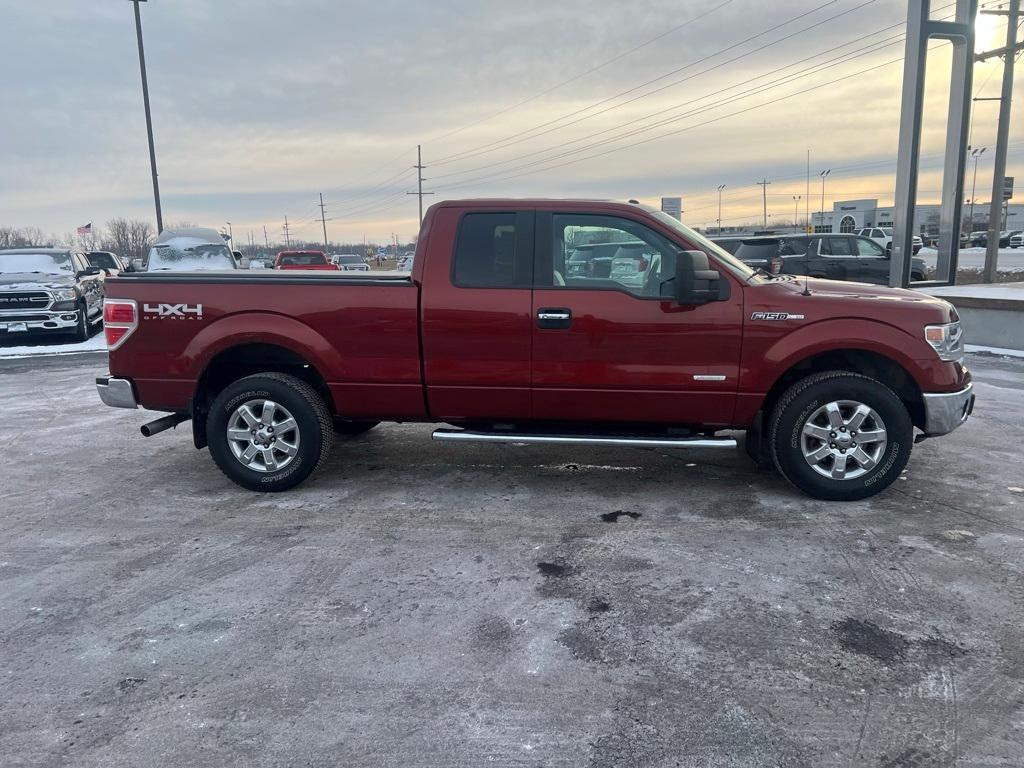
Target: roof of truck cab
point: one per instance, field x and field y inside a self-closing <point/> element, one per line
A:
<point x="540" y="202"/>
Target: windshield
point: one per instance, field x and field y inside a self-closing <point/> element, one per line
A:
<point x="104" y="260"/>
<point x="44" y="263"/>
<point x="727" y="259"/>
<point x="187" y="255"/>
<point x="302" y="259"/>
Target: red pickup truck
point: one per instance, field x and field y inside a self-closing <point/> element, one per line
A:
<point x="665" y="341"/>
<point x="316" y="260"/>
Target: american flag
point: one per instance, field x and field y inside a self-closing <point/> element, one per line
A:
<point x="85" y="230"/>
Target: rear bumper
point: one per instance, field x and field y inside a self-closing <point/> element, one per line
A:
<point x="946" y="411"/>
<point x="117" y="393"/>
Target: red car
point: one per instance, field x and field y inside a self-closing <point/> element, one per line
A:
<point x="303" y="260"/>
<point x="673" y="346"/>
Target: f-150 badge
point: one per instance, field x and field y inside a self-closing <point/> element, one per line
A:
<point x="174" y="311"/>
<point x="775" y="316"/>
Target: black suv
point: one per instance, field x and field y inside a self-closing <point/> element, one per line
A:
<point x="49" y="290"/>
<point x="835" y="257"/>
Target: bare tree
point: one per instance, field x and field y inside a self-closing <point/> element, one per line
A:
<point x="129" y="238"/>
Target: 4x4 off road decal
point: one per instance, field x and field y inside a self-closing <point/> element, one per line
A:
<point x="775" y="316"/>
<point x="172" y="311"/>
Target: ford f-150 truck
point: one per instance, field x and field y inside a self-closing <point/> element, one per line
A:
<point x="492" y="335"/>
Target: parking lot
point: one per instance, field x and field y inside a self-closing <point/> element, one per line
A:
<point x="441" y="605"/>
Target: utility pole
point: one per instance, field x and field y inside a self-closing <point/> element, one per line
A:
<point x="419" y="181"/>
<point x="764" y="198"/>
<point x="720" y="188"/>
<point x="1002" y="135"/>
<point x="287" y="236"/>
<point x="807" y="196"/>
<point x="323" y="219"/>
<point x="976" y="154"/>
<point x="796" y="209"/>
<point x="149" y="118"/>
<point x="823" y="174"/>
<point x="266" y="240"/>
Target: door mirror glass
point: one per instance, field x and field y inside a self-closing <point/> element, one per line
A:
<point x="695" y="281"/>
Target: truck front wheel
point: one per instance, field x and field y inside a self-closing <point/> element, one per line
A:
<point x="269" y="431"/>
<point x="840" y="436"/>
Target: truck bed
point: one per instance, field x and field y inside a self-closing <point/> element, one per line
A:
<point x="358" y="330"/>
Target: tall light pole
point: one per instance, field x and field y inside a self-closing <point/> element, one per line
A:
<point x="823" y="174"/>
<point x="796" y="208"/>
<point x="764" y="198"/>
<point x="720" y="188"/>
<point x="149" y="118"/>
<point x="976" y="154"/>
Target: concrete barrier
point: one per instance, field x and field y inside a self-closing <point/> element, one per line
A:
<point x="992" y="314"/>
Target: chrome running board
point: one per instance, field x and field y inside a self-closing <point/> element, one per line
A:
<point x="467" y="436"/>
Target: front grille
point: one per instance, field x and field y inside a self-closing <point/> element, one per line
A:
<point x="24" y="300"/>
<point x="22" y="318"/>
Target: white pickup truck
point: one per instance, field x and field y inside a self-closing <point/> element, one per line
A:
<point x="883" y="236"/>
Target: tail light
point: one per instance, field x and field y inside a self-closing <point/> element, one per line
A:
<point x="775" y="265"/>
<point x="120" y="319"/>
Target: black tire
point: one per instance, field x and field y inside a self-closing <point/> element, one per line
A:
<point x="353" y="428"/>
<point x="81" y="332"/>
<point x="806" y="396"/>
<point x="916" y="277"/>
<point x="306" y="406"/>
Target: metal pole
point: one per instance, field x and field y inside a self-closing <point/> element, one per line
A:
<point x="1002" y="137"/>
<point x="764" y="198"/>
<point x="807" y="196"/>
<point x="796" y="210"/>
<point x="976" y="154"/>
<point x="823" y="174"/>
<point x="720" y="188"/>
<point x="149" y="119"/>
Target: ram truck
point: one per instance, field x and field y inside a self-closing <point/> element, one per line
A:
<point x="497" y="339"/>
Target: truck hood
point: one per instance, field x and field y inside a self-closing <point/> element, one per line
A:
<point x="835" y="298"/>
<point x="31" y="281"/>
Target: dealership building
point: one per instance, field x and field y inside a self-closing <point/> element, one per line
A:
<point x="851" y="215"/>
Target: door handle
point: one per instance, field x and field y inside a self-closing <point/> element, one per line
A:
<point x="552" y="319"/>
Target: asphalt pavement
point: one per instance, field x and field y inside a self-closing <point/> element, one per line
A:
<point x="419" y="604"/>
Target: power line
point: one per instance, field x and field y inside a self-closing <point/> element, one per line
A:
<point x="476" y="150"/>
<point x="583" y="74"/>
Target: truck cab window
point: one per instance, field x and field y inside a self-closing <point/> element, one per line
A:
<point x="609" y="253"/>
<point x="487" y="254"/>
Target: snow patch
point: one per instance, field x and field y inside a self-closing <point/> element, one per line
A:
<point x="97" y="343"/>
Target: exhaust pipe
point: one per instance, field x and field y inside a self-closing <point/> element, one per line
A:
<point x="165" y="422"/>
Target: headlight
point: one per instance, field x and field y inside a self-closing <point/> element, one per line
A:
<point x="947" y="340"/>
<point x="64" y="294"/>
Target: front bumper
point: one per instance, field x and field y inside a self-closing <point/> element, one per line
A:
<point x="31" y="320"/>
<point x="944" y="412"/>
<point x="117" y="393"/>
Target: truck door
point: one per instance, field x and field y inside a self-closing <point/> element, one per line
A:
<point x="611" y="348"/>
<point x="872" y="262"/>
<point x="838" y="260"/>
<point x="476" y="314"/>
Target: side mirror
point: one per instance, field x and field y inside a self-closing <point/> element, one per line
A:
<point x="695" y="281"/>
<point x="90" y="272"/>
<point x="137" y="266"/>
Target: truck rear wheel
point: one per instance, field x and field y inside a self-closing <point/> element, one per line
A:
<point x="840" y="436"/>
<point x="269" y="431"/>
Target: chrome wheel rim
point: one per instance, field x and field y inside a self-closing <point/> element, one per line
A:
<point x="843" y="440"/>
<point x="263" y="435"/>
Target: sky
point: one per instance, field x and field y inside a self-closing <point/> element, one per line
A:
<point x="261" y="105"/>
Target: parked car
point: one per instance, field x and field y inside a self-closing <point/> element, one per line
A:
<point x="308" y="260"/>
<point x="187" y="249"/>
<point x="404" y="263"/>
<point x="883" y="236"/>
<point x="110" y="263"/>
<point x="49" y="291"/>
<point x="835" y="257"/>
<point x="492" y="334"/>
<point x="351" y="262"/>
<point x="1016" y="239"/>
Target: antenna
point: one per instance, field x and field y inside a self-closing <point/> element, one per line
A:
<point x="807" y="289"/>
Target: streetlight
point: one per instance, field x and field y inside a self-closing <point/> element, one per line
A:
<point x="796" y="208"/>
<point x="720" y="188"/>
<point x="823" y="174"/>
<point x="149" y="119"/>
<point x="976" y="153"/>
